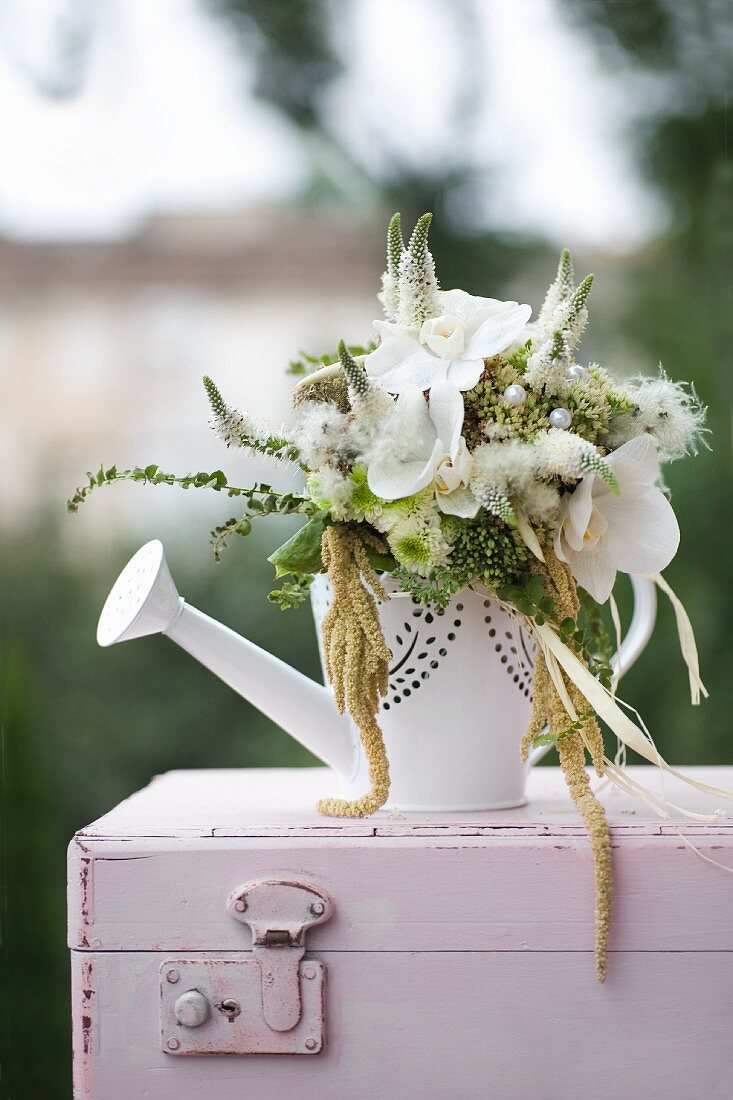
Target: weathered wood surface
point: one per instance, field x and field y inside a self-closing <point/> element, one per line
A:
<point x="419" y="1026"/>
<point x="510" y="880"/>
<point x="459" y="955"/>
<point x="281" y="801"/>
<point x="407" y="894"/>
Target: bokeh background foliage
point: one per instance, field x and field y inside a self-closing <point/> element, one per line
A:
<point x="82" y="729"/>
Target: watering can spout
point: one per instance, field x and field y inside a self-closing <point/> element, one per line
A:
<point x="144" y="600"/>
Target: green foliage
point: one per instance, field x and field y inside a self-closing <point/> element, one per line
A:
<point x="292" y="594"/>
<point x="221" y="534"/>
<point x="150" y="475"/>
<point x="593" y="639"/>
<point x="435" y="591"/>
<point x="301" y="554"/>
<point x="587" y="634"/>
<point x="262" y="501"/>
<point x="543" y="739"/>
<point x="530" y="598"/>
<point x="381" y="562"/>
<point x="261" y="498"/>
<point x="307" y="364"/>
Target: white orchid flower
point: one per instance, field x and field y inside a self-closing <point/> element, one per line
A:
<point x="449" y="347"/>
<point x="430" y="450"/>
<point x="634" y="530"/>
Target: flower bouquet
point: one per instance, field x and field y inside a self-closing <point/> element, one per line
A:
<point x="466" y="452"/>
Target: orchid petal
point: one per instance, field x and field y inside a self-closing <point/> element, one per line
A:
<point x="461" y="502"/>
<point x="498" y="332"/>
<point x="392" y="481"/>
<point x="643" y="533"/>
<point x="578" y="510"/>
<point x="388" y="329"/>
<point x="412" y="416"/>
<point x="471" y="309"/>
<point x="592" y="572"/>
<point x="462" y="460"/>
<point x="464" y="373"/>
<point x="558" y="545"/>
<point x="401" y="361"/>
<point x="635" y="462"/>
<point x="446" y="412"/>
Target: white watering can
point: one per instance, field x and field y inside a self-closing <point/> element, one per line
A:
<point x="459" y="686"/>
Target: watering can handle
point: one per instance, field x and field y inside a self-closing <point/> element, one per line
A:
<point x="635" y="641"/>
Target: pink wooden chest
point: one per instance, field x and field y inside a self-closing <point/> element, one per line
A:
<point x="431" y="957"/>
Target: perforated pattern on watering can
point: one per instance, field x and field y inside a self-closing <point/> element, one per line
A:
<point x="458" y="702"/>
<point x="420" y="638"/>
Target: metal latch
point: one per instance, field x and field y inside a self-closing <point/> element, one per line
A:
<point x="268" y="1002"/>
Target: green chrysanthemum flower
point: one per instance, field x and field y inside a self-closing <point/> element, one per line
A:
<point x="420" y="506"/>
<point x="363" y="503"/>
<point x="419" y="547"/>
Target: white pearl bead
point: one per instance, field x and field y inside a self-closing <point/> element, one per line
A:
<point x="560" y="418"/>
<point x="515" y="394"/>
<point x="575" y="373"/>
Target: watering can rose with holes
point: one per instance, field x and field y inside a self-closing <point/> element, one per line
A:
<point x="470" y="493"/>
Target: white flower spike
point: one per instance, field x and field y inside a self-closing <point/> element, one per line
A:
<point x="434" y="452"/>
<point x="634" y="531"/>
<point x="449" y="347"/>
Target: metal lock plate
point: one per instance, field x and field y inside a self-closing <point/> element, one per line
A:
<point x="229" y="982"/>
<point x="269" y="1001"/>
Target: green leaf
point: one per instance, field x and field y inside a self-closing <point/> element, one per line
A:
<point x="302" y="552"/>
<point x="510" y="593"/>
<point x="380" y="563"/>
<point x="544" y="739"/>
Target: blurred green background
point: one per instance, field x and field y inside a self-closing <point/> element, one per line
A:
<point x="81" y="727"/>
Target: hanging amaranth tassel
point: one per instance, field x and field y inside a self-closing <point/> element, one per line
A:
<point x="356" y="659"/>
<point x="558" y="705"/>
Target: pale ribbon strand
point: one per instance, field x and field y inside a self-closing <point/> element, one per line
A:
<point x="560" y="686"/>
<point x="643" y="794"/>
<point x="607" y="708"/>
<point x="687" y="639"/>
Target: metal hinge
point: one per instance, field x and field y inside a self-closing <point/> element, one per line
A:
<point x="268" y="1002"/>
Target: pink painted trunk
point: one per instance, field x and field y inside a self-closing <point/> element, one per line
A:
<point x="451" y="954"/>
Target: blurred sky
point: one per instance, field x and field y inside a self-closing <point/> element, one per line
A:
<point x="156" y="115"/>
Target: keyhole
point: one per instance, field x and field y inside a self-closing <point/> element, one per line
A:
<point x="230" y="1008"/>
